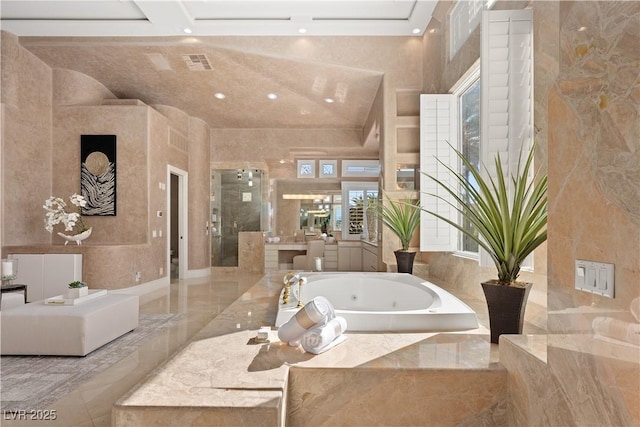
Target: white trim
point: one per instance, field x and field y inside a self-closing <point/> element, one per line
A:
<point x="144" y="288"/>
<point x="183" y="221"/>
<point x="202" y="272"/>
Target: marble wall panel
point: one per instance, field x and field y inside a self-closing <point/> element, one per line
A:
<point x="251" y="251"/>
<point x="320" y="397"/>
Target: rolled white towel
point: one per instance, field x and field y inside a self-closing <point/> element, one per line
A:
<point x="318" y="339"/>
<point x="318" y="311"/>
<point x="617" y="329"/>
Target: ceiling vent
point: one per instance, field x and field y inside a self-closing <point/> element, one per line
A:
<point x="197" y="62"/>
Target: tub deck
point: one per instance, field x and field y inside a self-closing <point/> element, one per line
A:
<point x="223" y="377"/>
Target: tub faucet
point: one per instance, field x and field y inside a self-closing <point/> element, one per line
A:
<point x="301" y="281"/>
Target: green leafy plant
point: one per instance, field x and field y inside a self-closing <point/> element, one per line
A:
<point x="510" y="224"/>
<point x="402" y="217"/>
<point x="77" y="284"/>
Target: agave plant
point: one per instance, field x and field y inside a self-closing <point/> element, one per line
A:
<point x="402" y="217"/>
<point x="510" y="224"/>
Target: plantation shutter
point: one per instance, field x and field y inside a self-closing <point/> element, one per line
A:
<point x="438" y="124"/>
<point x="506" y="73"/>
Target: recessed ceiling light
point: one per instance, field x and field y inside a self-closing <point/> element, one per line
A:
<point x="187" y="31"/>
<point x="272" y="96"/>
<point x="219" y="95"/>
<point x="416" y="31"/>
<point x="302" y="30"/>
<point x="329" y="100"/>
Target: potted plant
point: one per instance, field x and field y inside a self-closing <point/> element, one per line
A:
<point x="510" y="224"/>
<point x="403" y="218"/>
<point x="77" y="289"/>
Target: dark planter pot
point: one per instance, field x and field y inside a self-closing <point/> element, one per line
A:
<point x="506" y="306"/>
<point x="404" y="260"/>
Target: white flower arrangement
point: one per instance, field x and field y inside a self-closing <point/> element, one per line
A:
<point x="57" y="214"/>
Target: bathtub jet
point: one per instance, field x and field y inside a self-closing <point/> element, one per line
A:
<point x="383" y="302"/>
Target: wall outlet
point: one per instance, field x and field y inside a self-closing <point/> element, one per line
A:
<point x="161" y="271"/>
<point x="138" y="275"/>
<point x="595" y="277"/>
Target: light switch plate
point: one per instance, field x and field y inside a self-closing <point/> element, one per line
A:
<point x="595" y="277"/>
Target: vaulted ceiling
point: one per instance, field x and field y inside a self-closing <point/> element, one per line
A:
<point x="175" y="52"/>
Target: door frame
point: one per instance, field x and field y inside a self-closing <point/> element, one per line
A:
<point x="183" y="221"/>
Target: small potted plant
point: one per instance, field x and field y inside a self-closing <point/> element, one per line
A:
<point x="403" y="218"/>
<point x="510" y="223"/>
<point x="77" y="289"/>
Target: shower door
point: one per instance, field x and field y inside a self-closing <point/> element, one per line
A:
<point x="236" y="205"/>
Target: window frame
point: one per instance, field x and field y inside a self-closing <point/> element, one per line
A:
<point x="459" y="88"/>
<point x="365" y="187"/>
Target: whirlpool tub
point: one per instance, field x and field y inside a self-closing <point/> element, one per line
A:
<point x="381" y="302"/>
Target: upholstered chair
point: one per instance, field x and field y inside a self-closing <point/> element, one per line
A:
<point x="315" y="249"/>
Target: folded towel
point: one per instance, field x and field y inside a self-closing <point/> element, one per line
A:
<point x="317" y="340"/>
<point x="617" y="329"/>
<point x="318" y="311"/>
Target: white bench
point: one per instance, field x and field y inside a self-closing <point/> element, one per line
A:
<point x="67" y="330"/>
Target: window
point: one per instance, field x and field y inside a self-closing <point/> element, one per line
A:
<point x="306" y="168"/>
<point x="361" y="168"/>
<point x="506" y="120"/>
<point x="464" y="19"/>
<point x="357" y="203"/>
<point x="468" y="97"/>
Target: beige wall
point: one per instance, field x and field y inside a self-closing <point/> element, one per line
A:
<point x="26" y="123"/>
<point x="44" y="113"/>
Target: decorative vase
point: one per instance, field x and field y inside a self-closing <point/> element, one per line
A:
<point x="506" y="306"/>
<point x="78" y="238"/>
<point x="404" y="260"/>
<point x="73" y="293"/>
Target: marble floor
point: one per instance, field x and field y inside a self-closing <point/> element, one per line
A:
<point x="201" y="300"/>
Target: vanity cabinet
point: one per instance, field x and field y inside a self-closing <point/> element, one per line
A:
<point x="270" y="257"/>
<point x="330" y="257"/>
<point x="349" y="256"/>
<point x="369" y="257"/>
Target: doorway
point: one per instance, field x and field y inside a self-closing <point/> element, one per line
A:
<point x="177" y="243"/>
<point x="236" y="205"/>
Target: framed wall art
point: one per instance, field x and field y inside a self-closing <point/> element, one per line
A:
<point x="98" y="174"/>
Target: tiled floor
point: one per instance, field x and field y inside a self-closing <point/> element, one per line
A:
<point x="200" y="299"/>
